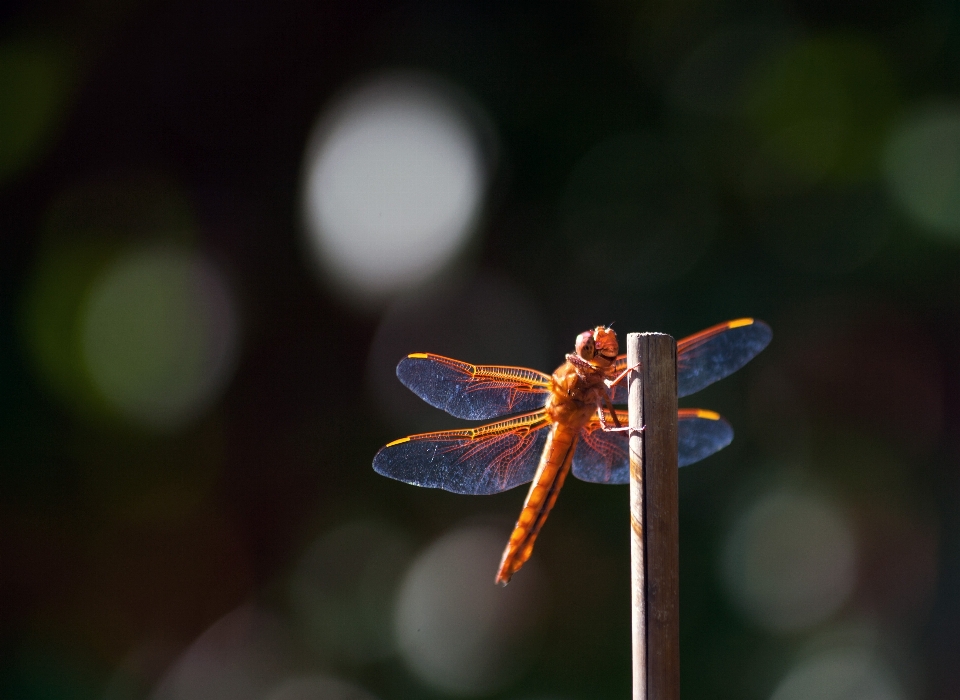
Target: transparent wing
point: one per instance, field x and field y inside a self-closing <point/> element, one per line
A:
<point x="474" y="392"/>
<point x="482" y="460"/>
<point x="710" y="355"/>
<point x="717" y="352"/>
<point x="603" y="457"/>
<point x="700" y="433"/>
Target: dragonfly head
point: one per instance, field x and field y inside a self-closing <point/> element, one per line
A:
<point x="598" y="344"/>
<point x="607" y="346"/>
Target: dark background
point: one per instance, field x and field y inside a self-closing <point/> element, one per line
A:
<point x="125" y="124"/>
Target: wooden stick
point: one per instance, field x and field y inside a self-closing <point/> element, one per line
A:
<point x="654" y="544"/>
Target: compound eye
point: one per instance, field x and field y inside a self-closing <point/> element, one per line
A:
<point x="586" y="346"/>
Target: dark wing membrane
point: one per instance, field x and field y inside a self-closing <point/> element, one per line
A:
<point x="618" y="394"/>
<point x="474" y="392"/>
<point x="717" y="352"/>
<point x="699" y="434"/>
<point x="710" y="355"/>
<point x="603" y="457"/>
<point x="482" y="460"/>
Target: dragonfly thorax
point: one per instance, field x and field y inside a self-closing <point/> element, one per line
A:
<point x="575" y="390"/>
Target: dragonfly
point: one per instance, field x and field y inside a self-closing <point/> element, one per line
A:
<point x="554" y="424"/>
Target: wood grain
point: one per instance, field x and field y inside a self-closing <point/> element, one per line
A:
<point x="654" y="545"/>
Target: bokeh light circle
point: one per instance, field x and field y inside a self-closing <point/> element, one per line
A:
<point x="922" y="164"/>
<point x="318" y="688"/>
<point x="840" y="674"/>
<point x="159" y="336"/>
<point x="822" y="106"/>
<point x="242" y="656"/>
<point x="343" y="588"/>
<point x="790" y="560"/>
<point x="394" y="178"/>
<point x="456" y="630"/>
<point x="712" y="79"/>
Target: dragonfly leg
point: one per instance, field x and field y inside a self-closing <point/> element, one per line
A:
<point x="609" y="407"/>
<point x="613" y="382"/>
<point x="606" y="427"/>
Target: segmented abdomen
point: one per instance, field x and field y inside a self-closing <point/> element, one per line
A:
<point x="554" y="467"/>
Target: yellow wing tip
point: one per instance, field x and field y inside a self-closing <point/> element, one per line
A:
<point x="701" y="413"/>
<point x="418" y="356"/>
<point x="740" y="322"/>
<point x="397" y="442"/>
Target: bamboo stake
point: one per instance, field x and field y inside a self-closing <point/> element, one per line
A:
<point x="654" y="544"/>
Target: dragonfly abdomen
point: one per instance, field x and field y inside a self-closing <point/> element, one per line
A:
<point x="551" y="473"/>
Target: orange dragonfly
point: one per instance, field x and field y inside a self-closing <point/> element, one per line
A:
<point x="566" y="422"/>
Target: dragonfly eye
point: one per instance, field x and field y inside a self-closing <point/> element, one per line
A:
<point x="585" y="346"/>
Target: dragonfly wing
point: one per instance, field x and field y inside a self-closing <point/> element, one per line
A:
<point x="710" y="355"/>
<point x="717" y="352"/>
<point x="482" y="460"/>
<point x="699" y="434"/>
<point x="473" y="392"/>
<point x="618" y="394"/>
<point x="604" y="458"/>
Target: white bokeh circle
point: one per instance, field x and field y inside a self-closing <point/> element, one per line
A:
<point x="790" y="560"/>
<point x="840" y="674"/>
<point x="455" y="629"/>
<point x="242" y="656"/>
<point x="394" y="178"/>
<point x="318" y="688"/>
